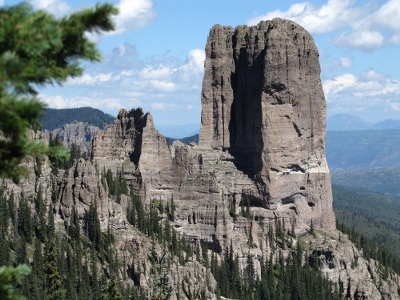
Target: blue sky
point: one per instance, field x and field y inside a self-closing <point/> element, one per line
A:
<point x="155" y="58"/>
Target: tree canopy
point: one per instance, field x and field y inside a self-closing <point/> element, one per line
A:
<point x="36" y="49"/>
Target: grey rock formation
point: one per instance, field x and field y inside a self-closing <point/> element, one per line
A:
<point x="260" y="164"/>
<point x="78" y="133"/>
<point x="263" y="103"/>
<point x="262" y="146"/>
<point x="262" y="139"/>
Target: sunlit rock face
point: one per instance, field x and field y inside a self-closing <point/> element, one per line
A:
<point x="262" y="141"/>
<point x="263" y="103"/>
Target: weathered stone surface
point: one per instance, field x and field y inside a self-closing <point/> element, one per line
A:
<point x="262" y="139"/>
<point x="262" y="149"/>
<point x="262" y="146"/>
<point x="122" y="140"/>
<point x="343" y="263"/>
<point x="82" y="186"/>
<point x="263" y="103"/>
<point x="78" y="133"/>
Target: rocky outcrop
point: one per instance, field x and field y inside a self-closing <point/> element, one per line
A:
<point x="262" y="146"/>
<point x="78" y="133"/>
<point x="263" y="103"/>
<point x="344" y="264"/>
<point x="260" y="165"/>
<point x="262" y="140"/>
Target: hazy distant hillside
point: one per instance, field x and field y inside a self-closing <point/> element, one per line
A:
<point x="375" y="216"/>
<point x="179" y="131"/>
<point x="388" y="124"/>
<point x="363" y="149"/>
<point x="345" y="122"/>
<point x="56" y="118"/>
<point x="385" y="181"/>
<point x="186" y="140"/>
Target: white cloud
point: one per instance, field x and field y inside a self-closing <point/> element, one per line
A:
<point x="338" y="84"/>
<point x="159" y="84"/>
<point x="394" y="105"/>
<point x="1" y="2"/>
<point x="333" y="15"/>
<point x="133" y="14"/>
<point x="388" y="15"/>
<point x="58" y="101"/>
<point x="56" y="7"/>
<point x="163" y="85"/>
<point x="156" y="72"/>
<point x="370" y="92"/>
<point x="368" y="26"/>
<point x="87" y="79"/>
<point x="366" y="40"/>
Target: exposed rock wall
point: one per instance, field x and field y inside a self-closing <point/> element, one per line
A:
<point x="262" y="146"/>
<point x="78" y="133"/>
<point x="263" y="103"/>
<point x="262" y="141"/>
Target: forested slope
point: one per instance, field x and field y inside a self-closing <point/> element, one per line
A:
<point x="375" y="216"/>
<point x="56" y="118"/>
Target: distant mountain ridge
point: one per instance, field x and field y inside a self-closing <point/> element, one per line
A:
<point x="57" y="118"/>
<point x="363" y="149"/>
<point x="345" y="122"/>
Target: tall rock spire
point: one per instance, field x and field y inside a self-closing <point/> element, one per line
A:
<point x="263" y="103"/>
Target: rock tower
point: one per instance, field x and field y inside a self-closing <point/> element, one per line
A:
<point x="262" y="141"/>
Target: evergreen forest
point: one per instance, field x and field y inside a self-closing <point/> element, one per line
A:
<point x="56" y="118"/>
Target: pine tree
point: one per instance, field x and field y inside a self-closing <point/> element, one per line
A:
<point x="54" y="281"/>
<point x="111" y="291"/>
<point x="21" y="256"/>
<point x="94" y="278"/>
<point x="24" y="219"/>
<point x="37" y="287"/>
<point x="50" y="228"/>
<point x="93" y="225"/>
<point x="37" y="49"/>
<point x="40" y="219"/>
<point x="9" y="278"/>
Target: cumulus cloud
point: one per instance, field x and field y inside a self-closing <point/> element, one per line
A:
<point x="333" y="15"/>
<point x="87" y="79"/>
<point x="56" y="7"/>
<point x="367" y="27"/>
<point x="365" y="40"/>
<point x="388" y="15"/>
<point x="133" y="14"/>
<point x="339" y="83"/>
<point x="58" y="101"/>
<point x="161" y="84"/>
<point x="371" y="92"/>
